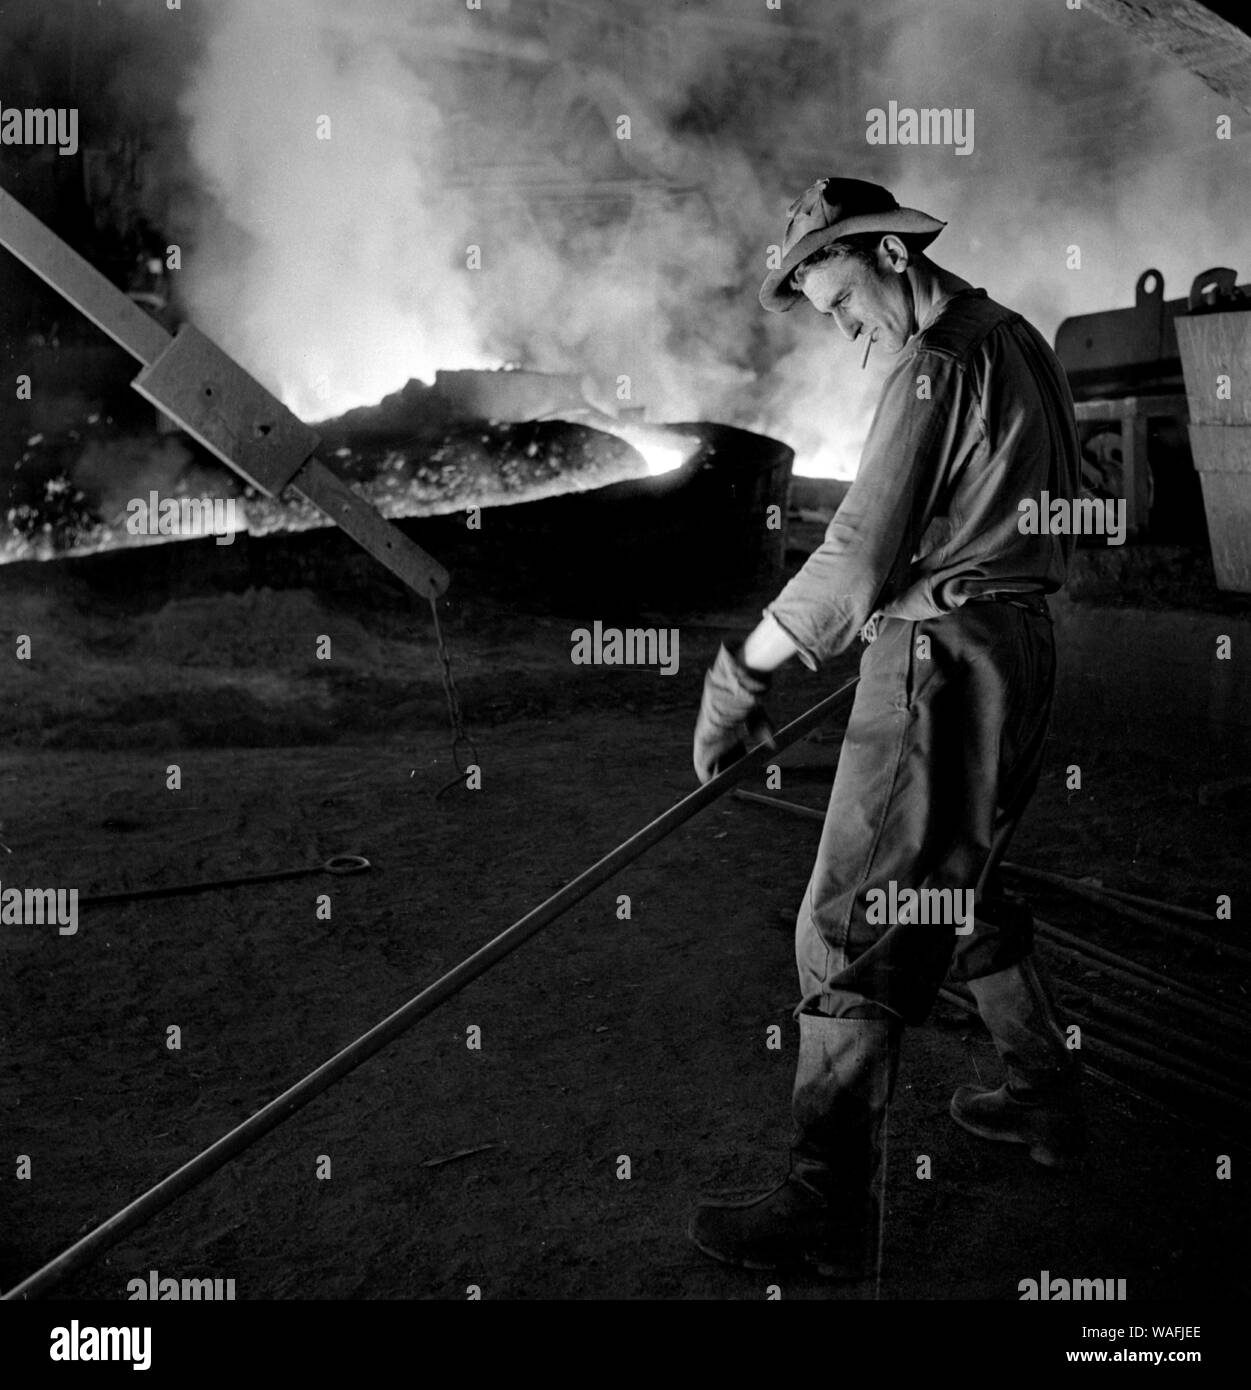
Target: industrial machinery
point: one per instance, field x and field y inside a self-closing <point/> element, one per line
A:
<point x="1125" y="370"/>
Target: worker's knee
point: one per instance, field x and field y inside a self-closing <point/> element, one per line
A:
<point x="844" y="1005"/>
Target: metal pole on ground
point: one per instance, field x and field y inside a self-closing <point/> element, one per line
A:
<point x="270" y="1116"/>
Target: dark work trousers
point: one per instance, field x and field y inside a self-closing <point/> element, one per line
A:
<point x="941" y="756"/>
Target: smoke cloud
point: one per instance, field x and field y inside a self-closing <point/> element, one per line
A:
<point x="329" y="260"/>
<point x="331" y="168"/>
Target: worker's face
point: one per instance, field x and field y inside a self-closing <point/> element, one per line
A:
<point x="864" y="298"/>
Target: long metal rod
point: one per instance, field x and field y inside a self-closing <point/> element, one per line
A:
<point x="270" y="1116"/>
<point x="1101" y="896"/>
<point x="1131" y="973"/>
<point x="339" y="865"/>
<point x="76" y="279"/>
<point x="1191" y="914"/>
<point x="1113" y="902"/>
<point x="793" y="807"/>
<point x="1141" y="977"/>
<point x="1199" y="1084"/>
<point x="1136" y="1065"/>
<point x="1184" y="1051"/>
<point x="1128" y="1050"/>
<point x="1173" y="992"/>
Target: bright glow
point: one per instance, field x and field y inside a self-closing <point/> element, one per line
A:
<point x="662" y="450"/>
<point x="832" y="458"/>
<point x="663" y="455"/>
<point x="319" y="388"/>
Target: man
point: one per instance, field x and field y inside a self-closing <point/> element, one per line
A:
<point x="925" y="560"/>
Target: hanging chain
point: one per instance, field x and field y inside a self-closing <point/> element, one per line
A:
<point x="464" y="754"/>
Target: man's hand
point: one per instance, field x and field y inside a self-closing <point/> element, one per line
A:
<point x="731" y="716"/>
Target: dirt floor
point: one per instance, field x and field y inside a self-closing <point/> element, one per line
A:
<point x="602" y="1038"/>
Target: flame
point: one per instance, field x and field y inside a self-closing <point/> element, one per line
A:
<point x="662" y="456"/>
<point x="662" y="450"/>
<point x="831" y="458"/>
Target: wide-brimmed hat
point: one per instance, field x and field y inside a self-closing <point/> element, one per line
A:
<point x="829" y="210"/>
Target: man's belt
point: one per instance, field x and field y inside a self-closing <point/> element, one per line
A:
<point x="1032" y="601"/>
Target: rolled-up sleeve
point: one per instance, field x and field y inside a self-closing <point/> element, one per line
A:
<point x="875" y="529"/>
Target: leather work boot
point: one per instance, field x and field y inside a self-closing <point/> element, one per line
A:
<point x="1039" y="1105"/>
<point x="825" y="1214"/>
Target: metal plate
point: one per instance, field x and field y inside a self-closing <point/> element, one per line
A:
<point x="210" y="396"/>
<point x="81" y="283"/>
<point x="370" y="529"/>
<point x="195" y="383"/>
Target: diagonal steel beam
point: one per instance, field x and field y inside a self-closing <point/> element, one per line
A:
<point x="209" y="395"/>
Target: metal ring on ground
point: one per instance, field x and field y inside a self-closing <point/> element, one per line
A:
<point x="347" y="864"/>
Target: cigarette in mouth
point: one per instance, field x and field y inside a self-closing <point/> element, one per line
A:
<point x="864" y="362"/>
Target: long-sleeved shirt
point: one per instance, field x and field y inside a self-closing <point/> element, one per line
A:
<point x="975" y="418"/>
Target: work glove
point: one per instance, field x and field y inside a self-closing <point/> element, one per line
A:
<point x="731" y="717"/>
